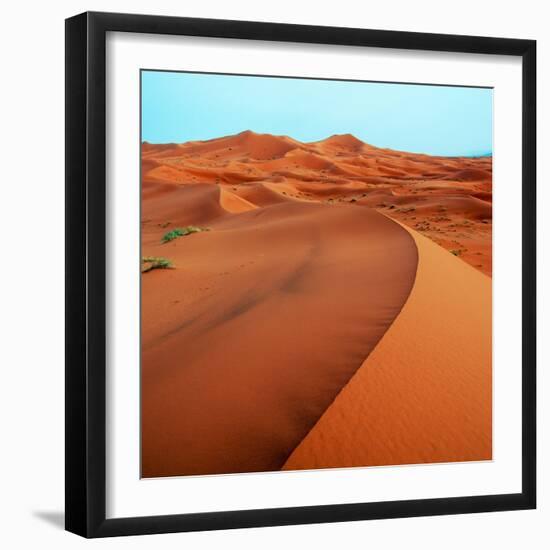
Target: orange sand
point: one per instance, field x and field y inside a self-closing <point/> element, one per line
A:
<point x="262" y="322"/>
<point x="279" y="339"/>
<point x="448" y="199"/>
<point x="425" y="393"/>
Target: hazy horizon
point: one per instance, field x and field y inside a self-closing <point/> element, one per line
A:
<point x="437" y="120"/>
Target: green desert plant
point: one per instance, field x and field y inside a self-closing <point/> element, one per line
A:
<point x="181" y="232"/>
<point x="151" y="262"/>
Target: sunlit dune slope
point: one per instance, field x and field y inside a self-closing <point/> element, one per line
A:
<point x="425" y="393"/>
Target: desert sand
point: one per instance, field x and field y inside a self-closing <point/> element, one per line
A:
<point x="448" y="199"/>
<point x="428" y="382"/>
<point x="334" y="311"/>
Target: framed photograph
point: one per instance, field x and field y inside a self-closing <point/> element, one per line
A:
<point x="300" y="274"/>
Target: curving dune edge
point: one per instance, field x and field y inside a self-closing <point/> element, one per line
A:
<point x="424" y="394"/>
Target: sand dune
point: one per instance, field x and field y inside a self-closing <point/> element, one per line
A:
<point x="263" y="322"/>
<point x="172" y="206"/>
<point x="425" y="393"/>
<point x="306" y="328"/>
<point x="442" y="193"/>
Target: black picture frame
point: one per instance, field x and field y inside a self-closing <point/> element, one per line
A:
<point x="86" y="279"/>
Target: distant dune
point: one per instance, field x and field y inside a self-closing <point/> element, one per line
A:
<point x="448" y="199"/>
<point x="328" y="317"/>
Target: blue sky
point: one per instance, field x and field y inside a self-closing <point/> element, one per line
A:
<point x="438" y="120"/>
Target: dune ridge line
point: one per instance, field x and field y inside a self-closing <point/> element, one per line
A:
<point x="424" y="394"/>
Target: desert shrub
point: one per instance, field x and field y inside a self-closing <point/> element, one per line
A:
<point x="151" y="262"/>
<point x="181" y="232"/>
<point x="456" y="252"/>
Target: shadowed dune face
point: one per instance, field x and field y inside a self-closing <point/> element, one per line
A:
<point x="257" y="344"/>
